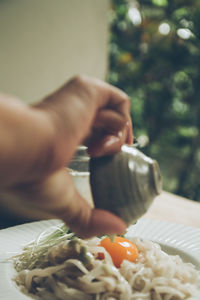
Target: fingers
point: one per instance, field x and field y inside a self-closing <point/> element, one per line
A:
<point x="102" y="143"/>
<point x="93" y="225"/>
<point x="129" y="131"/>
<point x="80" y="109"/>
<point x="67" y="204"/>
<point x="109" y="120"/>
<point x="84" y="220"/>
<point x="56" y="197"/>
<point x="105" y="144"/>
<point x="112" y="125"/>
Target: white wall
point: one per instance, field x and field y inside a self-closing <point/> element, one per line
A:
<point x="45" y="42"/>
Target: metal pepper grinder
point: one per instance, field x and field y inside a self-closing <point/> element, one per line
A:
<point x="125" y="183"/>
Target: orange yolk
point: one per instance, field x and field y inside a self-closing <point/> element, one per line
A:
<point x="119" y="250"/>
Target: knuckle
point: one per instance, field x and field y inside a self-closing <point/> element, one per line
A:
<point x="79" y="80"/>
<point x="127" y="101"/>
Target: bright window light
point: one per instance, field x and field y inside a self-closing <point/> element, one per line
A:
<point x="135" y="16"/>
<point x="184" y="33"/>
<point x="164" y="28"/>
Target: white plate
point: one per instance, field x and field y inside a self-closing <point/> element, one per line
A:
<point x="173" y="238"/>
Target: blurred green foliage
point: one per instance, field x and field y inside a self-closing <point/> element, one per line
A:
<point x="155" y="58"/>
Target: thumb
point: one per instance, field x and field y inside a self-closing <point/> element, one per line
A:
<point x="81" y="218"/>
<point x="58" y="197"/>
<point x="95" y="222"/>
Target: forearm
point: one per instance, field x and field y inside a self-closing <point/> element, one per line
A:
<point x="22" y="142"/>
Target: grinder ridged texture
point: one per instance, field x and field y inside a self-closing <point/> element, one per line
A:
<point x="125" y="184"/>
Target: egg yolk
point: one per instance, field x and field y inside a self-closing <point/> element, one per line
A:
<point x="119" y="250"/>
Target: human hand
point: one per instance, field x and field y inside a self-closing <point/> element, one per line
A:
<point x="90" y="112"/>
<point x="84" y="111"/>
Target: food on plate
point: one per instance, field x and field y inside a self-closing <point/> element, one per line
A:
<point x="119" y="249"/>
<point x="62" y="266"/>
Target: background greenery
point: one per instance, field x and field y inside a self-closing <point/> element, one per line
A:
<point x="155" y="58"/>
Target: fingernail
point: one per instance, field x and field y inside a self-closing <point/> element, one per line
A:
<point x="111" y="141"/>
<point x="120" y="134"/>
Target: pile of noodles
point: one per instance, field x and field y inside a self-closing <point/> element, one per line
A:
<point x="62" y="266"/>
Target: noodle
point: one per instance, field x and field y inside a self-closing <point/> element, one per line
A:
<point x="70" y="269"/>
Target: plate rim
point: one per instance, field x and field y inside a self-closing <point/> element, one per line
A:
<point x="9" y="290"/>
